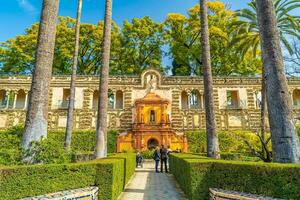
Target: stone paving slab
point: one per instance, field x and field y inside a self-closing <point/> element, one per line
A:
<point x="149" y="185"/>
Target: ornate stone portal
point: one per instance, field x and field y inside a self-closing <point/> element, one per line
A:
<point x="151" y="126"/>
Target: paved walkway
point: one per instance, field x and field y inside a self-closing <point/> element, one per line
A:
<point x="148" y="185"/>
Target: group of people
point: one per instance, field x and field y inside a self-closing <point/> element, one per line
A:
<point x="159" y="155"/>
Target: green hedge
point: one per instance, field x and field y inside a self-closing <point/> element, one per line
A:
<point x="53" y="147"/>
<point x="26" y="181"/>
<point x="196" y="174"/>
<point x="129" y="164"/>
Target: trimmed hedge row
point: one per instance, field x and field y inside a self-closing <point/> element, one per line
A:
<point x="129" y="164"/>
<point x="110" y="175"/>
<point x="196" y="174"/>
<point x="53" y="147"/>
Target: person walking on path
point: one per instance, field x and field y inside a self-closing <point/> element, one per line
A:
<point x="156" y="158"/>
<point x="139" y="160"/>
<point x="163" y="158"/>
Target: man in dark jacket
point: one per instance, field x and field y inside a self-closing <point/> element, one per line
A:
<point x="163" y="158"/>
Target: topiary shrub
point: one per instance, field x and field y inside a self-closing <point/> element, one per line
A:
<point x="27" y="181"/>
<point x="196" y="174"/>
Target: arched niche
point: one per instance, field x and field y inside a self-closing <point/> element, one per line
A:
<point x="184" y="100"/>
<point x="95" y="99"/>
<point x="151" y="77"/>
<point x="195" y="99"/>
<point x="296" y="98"/>
<point x="119" y="100"/>
<point x="21" y="98"/>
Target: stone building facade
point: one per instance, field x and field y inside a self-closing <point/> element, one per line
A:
<point x="236" y="101"/>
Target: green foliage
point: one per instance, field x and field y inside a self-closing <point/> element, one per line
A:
<point x="196" y="174"/>
<point x="184" y="37"/>
<point x="18" y="54"/>
<point x="25" y="181"/>
<point x="140" y="47"/>
<point x="50" y="150"/>
<point x="148" y="154"/>
<point x="230" y="141"/>
<point x="246" y="29"/>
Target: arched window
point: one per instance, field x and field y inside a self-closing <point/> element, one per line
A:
<point x="296" y="98"/>
<point x="195" y="100"/>
<point x="258" y="99"/>
<point x="21" y="97"/>
<point x="184" y="100"/>
<point x="111" y="99"/>
<point x="95" y="99"/>
<point x="63" y="104"/>
<point x="2" y="98"/>
<point x="119" y="99"/>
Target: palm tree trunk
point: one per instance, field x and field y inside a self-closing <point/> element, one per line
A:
<point x="285" y="143"/>
<point x="263" y="112"/>
<point x="212" y="137"/>
<point x="36" y="124"/>
<point x="73" y="78"/>
<point x="101" y="131"/>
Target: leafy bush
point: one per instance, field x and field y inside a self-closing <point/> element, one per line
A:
<point x="230" y="141"/>
<point x="148" y="154"/>
<point x="26" y="181"/>
<point x="196" y="174"/>
<point x="50" y="150"/>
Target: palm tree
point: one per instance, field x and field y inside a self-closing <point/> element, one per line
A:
<point x="101" y="131"/>
<point x="246" y="33"/>
<point x="73" y="77"/>
<point x="36" y="124"/>
<point x="212" y="137"/>
<point x="285" y="142"/>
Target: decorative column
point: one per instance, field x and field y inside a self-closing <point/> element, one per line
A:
<point x="26" y="100"/>
<point x="115" y="99"/>
<point x="189" y="99"/>
<point x="202" y="101"/>
<point x="162" y="107"/>
<point x="15" y="99"/>
<point x="7" y="98"/>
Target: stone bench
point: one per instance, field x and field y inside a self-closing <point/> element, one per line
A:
<point x="219" y="194"/>
<point x="89" y="193"/>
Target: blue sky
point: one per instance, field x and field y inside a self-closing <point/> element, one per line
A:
<point x="16" y="15"/>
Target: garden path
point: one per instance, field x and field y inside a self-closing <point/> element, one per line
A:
<point x="148" y="185"/>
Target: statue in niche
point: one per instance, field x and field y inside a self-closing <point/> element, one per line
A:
<point x="151" y="83"/>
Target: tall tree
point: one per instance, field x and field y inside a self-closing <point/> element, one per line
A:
<point x="69" y="126"/>
<point x="285" y="143"/>
<point x="101" y="131"/>
<point x="36" y="124"/>
<point x="212" y="136"/>
<point x="141" y="47"/>
<point x="17" y="55"/>
<point x="183" y="36"/>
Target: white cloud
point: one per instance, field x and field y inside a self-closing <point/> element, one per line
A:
<point x="26" y="6"/>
